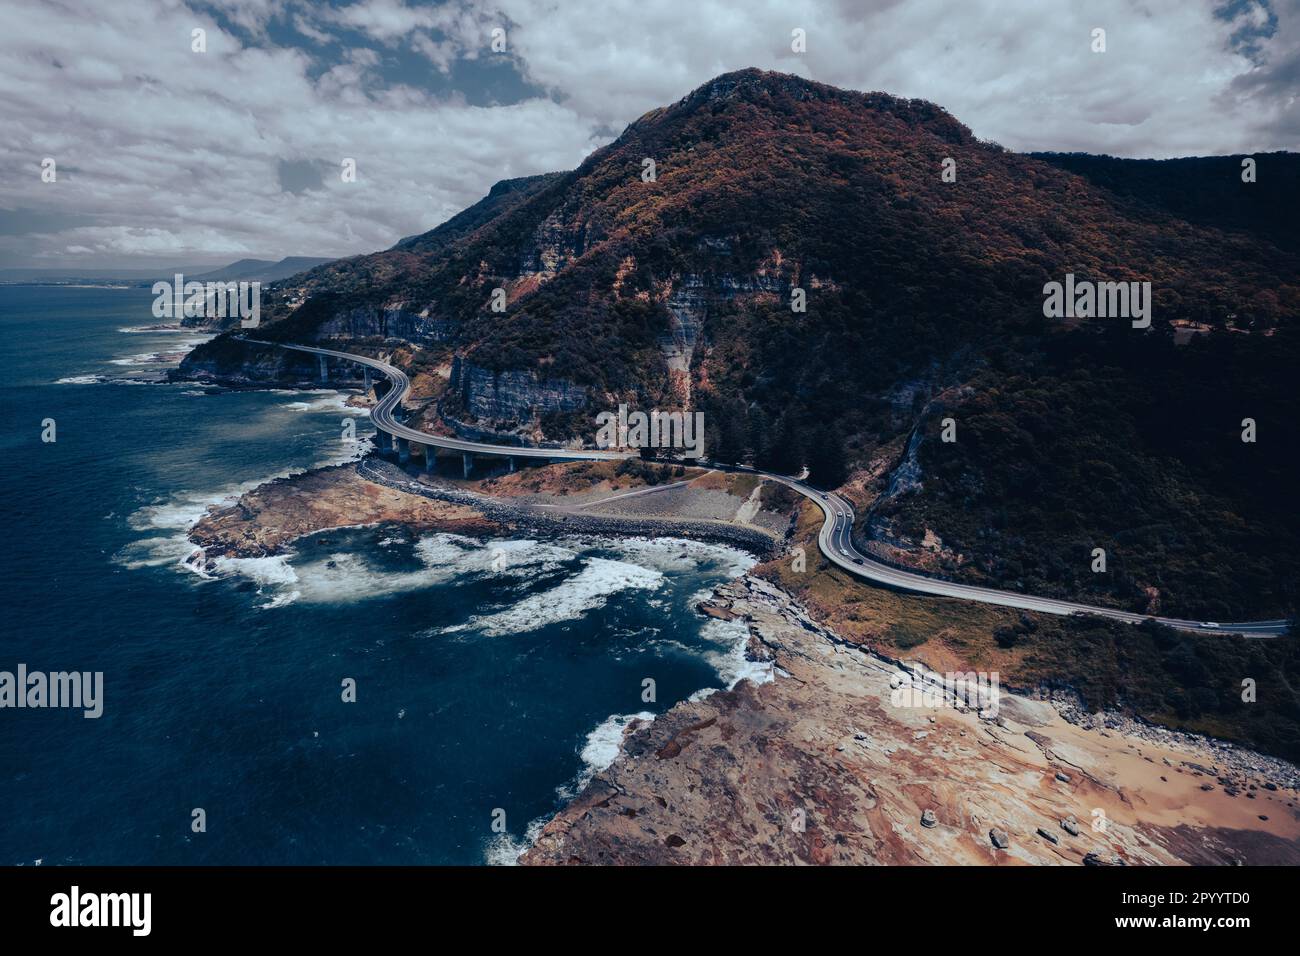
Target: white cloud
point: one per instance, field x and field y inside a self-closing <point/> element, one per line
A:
<point x="162" y="150"/>
<point x="177" y="152"/>
<point x="1024" y="76"/>
<point x="383" y="20"/>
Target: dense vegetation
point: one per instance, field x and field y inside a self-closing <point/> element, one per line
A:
<point x="1133" y="445"/>
<point x="1204" y="189"/>
<point x="1173" y="678"/>
<point x="922" y="295"/>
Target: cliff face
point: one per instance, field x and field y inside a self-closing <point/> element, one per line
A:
<point x="510" y="398"/>
<point x="385" y="322"/>
<point x="240" y="365"/>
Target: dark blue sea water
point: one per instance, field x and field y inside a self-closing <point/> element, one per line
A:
<point x="477" y="689"/>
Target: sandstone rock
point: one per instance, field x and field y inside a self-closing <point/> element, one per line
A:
<point x="999" y="838"/>
<point x="1048" y="836"/>
<point x="1070" y="826"/>
<point x="927" y="818"/>
<point x="512" y="396"/>
<point x="1031" y="713"/>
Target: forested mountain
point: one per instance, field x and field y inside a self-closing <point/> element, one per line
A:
<point x="661" y="272"/>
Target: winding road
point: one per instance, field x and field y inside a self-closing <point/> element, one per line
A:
<point x="835" y="539"/>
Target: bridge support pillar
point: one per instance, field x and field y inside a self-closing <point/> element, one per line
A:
<point x="468" y="461"/>
<point x="324" y="369"/>
<point x="403" y="451"/>
<point x="384" y="441"/>
<point x="366" y="373"/>
<point x="430" y="459"/>
<point x="511" y="459"/>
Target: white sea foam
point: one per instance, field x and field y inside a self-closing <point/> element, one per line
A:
<point x="518" y="557"/>
<point x="679" y="554"/>
<point x="602" y="747"/>
<point x="165" y="356"/>
<point x="345" y="578"/>
<point x="730" y="660"/>
<point x="268" y="571"/>
<point x="567" y="601"/>
<point x="155" y="552"/>
<point x="333" y="402"/>
<point x="699" y="597"/>
<point x="180" y="513"/>
<point x="505" y="850"/>
<point x="140" y="358"/>
<point x="280" y="600"/>
<point x="80" y="380"/>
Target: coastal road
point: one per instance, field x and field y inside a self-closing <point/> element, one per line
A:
<point x="835" y="539"/>
<point x="383" y="414"/>
<point x="836" y="542"/>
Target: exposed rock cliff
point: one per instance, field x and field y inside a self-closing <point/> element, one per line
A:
<point x="511" y="397"/>
<point x="388" y="322"/>
<point x="237" y="364"/>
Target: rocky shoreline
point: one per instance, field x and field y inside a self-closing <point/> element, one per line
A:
<point x="520" y="517"/>
<point x="267" y="520"/>
<point x="819" y="765"/>
<point x="1232" y="764"/>
<point x="825" y="765"/>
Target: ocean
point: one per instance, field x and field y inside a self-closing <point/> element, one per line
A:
<point x="482" y="695"/>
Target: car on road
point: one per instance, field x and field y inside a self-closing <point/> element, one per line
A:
<point x="857" y="561"/>
<point x="1211" y="624"/>
<point x="843" y="552"/>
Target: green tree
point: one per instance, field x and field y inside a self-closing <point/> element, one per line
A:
<point x="827" y="462"/>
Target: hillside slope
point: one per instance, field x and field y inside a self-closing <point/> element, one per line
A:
<point x="924" y="301"/>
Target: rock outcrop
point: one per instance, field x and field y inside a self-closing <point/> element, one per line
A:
<point x="825" y="764"/>
<point x="394" y="321"/>
<point x="514" y="397"/>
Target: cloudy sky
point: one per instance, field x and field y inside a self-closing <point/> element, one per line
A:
<point x="166" y="156"/>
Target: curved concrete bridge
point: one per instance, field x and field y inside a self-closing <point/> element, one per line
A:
<point x="392" y="432"/>
<point x="835" y="539"/>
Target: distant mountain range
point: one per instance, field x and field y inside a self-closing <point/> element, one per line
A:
<point x="260" y="270"/>
<point x="661" y="273"/>
<point x="246" y="270"/>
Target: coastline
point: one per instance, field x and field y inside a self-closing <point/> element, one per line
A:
<point x="1173" y="796"/>
<point x="822" y="766"/>
<point x="337" y="496"/>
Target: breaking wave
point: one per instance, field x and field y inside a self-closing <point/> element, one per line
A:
<point x="570" y="600"/>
